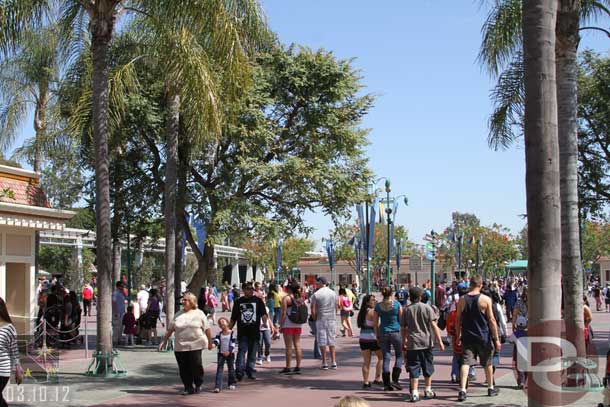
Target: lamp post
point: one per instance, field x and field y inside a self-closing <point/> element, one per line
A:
<point x="389" y="210"/>
<point x="330" y="251"/>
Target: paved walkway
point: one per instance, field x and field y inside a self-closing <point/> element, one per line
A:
<point x="153" y="381"/>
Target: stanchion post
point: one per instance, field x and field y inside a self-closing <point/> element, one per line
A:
<point x="86" y="339"/>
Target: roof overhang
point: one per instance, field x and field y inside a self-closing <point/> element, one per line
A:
<point x="33" y="217"/>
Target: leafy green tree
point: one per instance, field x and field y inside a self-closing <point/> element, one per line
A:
<point x="296" y="145"/>
<point x="595" y="241"/>
<point x="594" y="132"/>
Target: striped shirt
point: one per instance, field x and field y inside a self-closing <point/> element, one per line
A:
<point x="9" y="354"/>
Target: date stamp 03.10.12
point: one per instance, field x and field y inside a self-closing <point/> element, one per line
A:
<point x="36" y="394"/>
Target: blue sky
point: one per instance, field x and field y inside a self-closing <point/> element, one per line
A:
<point x="429" y="123"/>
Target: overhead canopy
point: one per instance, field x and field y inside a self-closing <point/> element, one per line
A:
<point x="519" y="265"/>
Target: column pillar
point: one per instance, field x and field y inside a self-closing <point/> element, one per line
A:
<point x="2" y="279"/>
<point x="77" y="255"/>
<point x="249" y="273"/>
<point x="259" y="276"/>
<point x="235" y="273"/>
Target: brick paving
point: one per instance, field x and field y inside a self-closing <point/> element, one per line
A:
<point x="153" y="380"/>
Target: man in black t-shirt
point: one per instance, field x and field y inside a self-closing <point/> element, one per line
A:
<point x="248" y="310"/>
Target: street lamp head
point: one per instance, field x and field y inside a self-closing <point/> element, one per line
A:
<point x="387" y="186"/>
<point x="406" y="200"/>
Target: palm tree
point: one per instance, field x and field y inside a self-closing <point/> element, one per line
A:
<point x="200" y="55"/>
<point x="501" y="47"/>
<point x="542" y="182"/>
<point x="28" y="80"/>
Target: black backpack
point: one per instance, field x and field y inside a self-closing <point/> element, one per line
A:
<point x="297" y="313"/>
<point x="608" y="293"/>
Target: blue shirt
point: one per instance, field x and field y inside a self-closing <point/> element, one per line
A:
<point x="389" y="319"/>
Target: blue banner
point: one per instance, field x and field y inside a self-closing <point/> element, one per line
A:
<point x="371" y="239"/>
<point x="398" y="254"/>
<point x="330" y="251"/>
<point x="357" y="253"/>
<point x="202" y="234"/>
<point x="278" y="255"/>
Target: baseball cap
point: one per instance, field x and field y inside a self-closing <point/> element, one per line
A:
<point x="322" y="280"/>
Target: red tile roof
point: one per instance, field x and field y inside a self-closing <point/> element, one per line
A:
<point x="26" y="191"/>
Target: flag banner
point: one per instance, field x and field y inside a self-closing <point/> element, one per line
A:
<point x="369" y="249"/>
<point x="362" y="223"/>
<point x="394" y="210"/>
<point x="201" y="233"/>
<point x="391" y="240"/>
<point x="330" y="252"/>
<point x="357" y="254"/>
<point x="278" y="255"/>
<point x="381" y="212"/>
<point x="398" y="254"/>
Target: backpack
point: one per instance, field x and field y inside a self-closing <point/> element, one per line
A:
<point x="608" y="293"/>
<point x="401" y="295"/>
<point x="298" y="311"/>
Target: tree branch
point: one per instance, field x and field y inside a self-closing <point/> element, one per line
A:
<point x="189" y="237"/>
<point x="597" y="29"/>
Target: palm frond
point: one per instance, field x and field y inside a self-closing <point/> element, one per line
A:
<point x="508" y="97"/>
<point x="591" y="10"/>
<point x="19" y="16"/>
<point x="502" y="36"/>
<point x="12" y="115"/>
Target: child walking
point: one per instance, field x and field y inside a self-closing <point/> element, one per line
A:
<point x="130" y="324"/>
<point x="267" y="330"/>
<point x="225" y="342"/>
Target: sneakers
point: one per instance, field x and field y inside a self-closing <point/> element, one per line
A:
<point x="366" y="385"/>
<point x="197" y="389"/>
<point x="378" y="383"/>
<point x="324" y="366"/>
<point x="429" y="394"/>
<point x="232" y="387"/>
<point x="413" y="397"/>
<point x="454" y="378"/>
<point x="259" y="362"/>
<point x="333" y="366"/>
<point x="462" y="396"/>
<point x="268" y="358"/>
<point x="472" y="377"/>
<point x="286" y="371"/>
<point x="188" y="392"/>
<point x="296" y="370"/>
<point x="216" y="390"/>
<point x="493" y="392"/>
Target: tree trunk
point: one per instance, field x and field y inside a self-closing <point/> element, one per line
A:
<point x="183" y="165"/>
<point x="568" y="19"/>
<point x="173" y="125"/>
<point x="542" y="190"/>
<point x="101" y="26"/>
<point x="205" y="269"/>
<point x="40" y="125"/>
<point x="116" y="260"/>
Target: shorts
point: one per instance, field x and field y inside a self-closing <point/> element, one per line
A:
<point x="607" y="301"/>
<point x="420" y="361"/>
<point x="326" y="332"/>
<point x="370" y="345"/>
<point x="291" y="331"/>
<point x="483" y="352"/>
<point x="346" y="314"/>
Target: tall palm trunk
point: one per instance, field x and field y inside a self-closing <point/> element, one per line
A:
<point x="40" y="125"/>
<point x="101" y="26"/>
<point x="183" y="167"/>
<point x="171" y="181"/>
<point x="567" y="103"/>
<point x="542" y="187"/>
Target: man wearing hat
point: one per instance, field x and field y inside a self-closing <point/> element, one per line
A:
<point x="324" y="312"/>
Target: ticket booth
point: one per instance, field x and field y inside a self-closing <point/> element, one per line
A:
<point x="24" y="209"/>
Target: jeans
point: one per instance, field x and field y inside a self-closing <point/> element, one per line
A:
<point x="455" y="366"/>
<point x="276" y="316"/>
<point x="191" y="369"/>
<point x="265" y="339"/>
<point x="221" y="365"/>
<point x="117" y="328"/>
<point x="387" y="341"/>
<point x="249" y="345"/>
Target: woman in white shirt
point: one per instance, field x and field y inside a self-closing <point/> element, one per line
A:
<point x="192" y="335"/>
<point x="9" y="354"/>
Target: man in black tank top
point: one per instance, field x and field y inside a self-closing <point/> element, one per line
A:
<point x="477" y="331"/>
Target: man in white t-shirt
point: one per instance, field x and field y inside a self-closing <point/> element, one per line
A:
<point x="142" y="299"/>
<point x="324" y="312"/>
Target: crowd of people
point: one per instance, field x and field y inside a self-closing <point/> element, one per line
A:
<point x="399" y="329"/>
